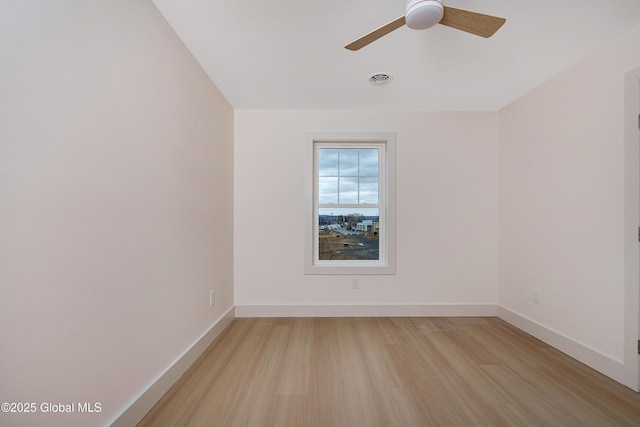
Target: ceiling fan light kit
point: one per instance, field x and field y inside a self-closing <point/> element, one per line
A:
<point x="423" y="14"/>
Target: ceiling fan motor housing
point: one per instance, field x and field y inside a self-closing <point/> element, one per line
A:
<point x="423" y="14"/>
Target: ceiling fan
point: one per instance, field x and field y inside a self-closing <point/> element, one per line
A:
<point x="423" y="14"/>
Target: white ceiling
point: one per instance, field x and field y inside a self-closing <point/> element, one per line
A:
<point x="289" y="54"/>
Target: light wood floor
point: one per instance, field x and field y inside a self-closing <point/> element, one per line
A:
<point x="389" y="372"/>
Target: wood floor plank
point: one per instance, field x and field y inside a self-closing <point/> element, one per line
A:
<point x="326" y="372"/>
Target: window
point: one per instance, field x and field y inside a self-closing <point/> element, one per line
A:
<point x="350" y="203"/>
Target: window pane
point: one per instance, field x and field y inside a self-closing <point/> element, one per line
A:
<point x="349" y="162"/>
<point x="328" y="190"/>
<point x="369" y="162"/>
<point x="369" y="191"/>
<point x="338" y="211"/>
<point x="348" y="234"/>
<point x="328" y="162"/>
<point x="348" y="191"/>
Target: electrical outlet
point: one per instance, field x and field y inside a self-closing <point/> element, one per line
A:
<point x="355" y="284"/>
<point x="212" y="298"/>
<point x="536" y="296"/>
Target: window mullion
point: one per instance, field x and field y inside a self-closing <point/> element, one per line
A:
<point x="338" y="174"/>
<point x="358" y="176"/>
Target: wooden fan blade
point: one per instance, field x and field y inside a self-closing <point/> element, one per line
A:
<point x="375" y="35"/>
<point x="471" y="22"/>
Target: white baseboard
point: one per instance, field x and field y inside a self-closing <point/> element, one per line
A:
<point x="143" y="404"/>
<point x="603" y="363"/>
<point x="413" y="310"/>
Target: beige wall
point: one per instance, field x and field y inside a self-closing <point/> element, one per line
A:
<point x="116" y="157"/>
<point x="563" y="201"/>
<point x="446" y="209"/>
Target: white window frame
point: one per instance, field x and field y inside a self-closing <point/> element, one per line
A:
<point x="387" y="204"/>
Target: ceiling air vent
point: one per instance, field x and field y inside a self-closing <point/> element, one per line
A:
<point x="378" y="79"/>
